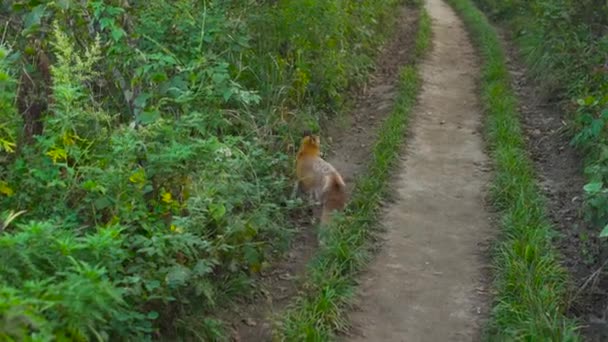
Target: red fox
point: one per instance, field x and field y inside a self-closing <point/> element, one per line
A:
<point x="319" y="178"/>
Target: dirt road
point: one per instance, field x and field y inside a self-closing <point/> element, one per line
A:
<point x="427" y="282"/>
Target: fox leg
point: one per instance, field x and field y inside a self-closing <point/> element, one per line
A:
<point x="316" y="196"/>
<point x="312" y="195"/>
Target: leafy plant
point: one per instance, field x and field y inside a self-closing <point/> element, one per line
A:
<point x="149" y="183"/>
<point x="565" y="45"/>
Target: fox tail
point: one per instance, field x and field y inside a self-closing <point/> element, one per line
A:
<point x="334" y="197"/>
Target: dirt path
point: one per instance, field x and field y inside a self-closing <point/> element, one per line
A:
<point x="428" y="281"/>
<point x="350" y="145"/>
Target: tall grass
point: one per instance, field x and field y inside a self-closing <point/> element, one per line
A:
<point x="564" y="45"/>
<point x="530" y="283"/>
<point x="319" y="313"/>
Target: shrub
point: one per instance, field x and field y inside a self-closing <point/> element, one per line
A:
<point x="566" y="45"/>
<point x="150" y="179"/>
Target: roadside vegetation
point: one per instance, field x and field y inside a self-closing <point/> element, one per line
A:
<point x="346" y="244"/>
<point x="565" y="44"/>
<point x="145" y="154"/>
<point x="530" y="284"/>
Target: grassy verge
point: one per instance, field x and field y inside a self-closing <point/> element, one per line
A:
<point x="423" y="39"/>
<point x="318" y="313"/>
<point x="530" y="282"/>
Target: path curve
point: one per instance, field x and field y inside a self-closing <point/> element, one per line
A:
<point x="428" y="281"/>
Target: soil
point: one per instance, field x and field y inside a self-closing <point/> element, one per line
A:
<point x="559" y="169"/>
<point x="350" y="147"/>
<point x="429" y="279"/>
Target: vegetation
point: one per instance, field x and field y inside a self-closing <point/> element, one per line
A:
<point x="144" y="153"/>
<point x="565" y="44"/>
<point x="530" y="283"/>
<point x="345" y="244"/>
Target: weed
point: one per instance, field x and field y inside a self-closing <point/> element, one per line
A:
<point x="565" y="47"/>
<point x="424" y="38"/>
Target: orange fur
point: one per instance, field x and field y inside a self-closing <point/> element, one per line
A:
<point x="319" y="178"/>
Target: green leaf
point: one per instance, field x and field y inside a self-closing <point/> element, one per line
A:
<point x="604" y="232"/>
<point x="251" y="255"/>
<point x="590" y="100"/>
<point x="34" y="17"/>
<point x="596" y="127"/>
<point x="201" y="268"/>
<point x="102" y="203"/>
<point x="219" y="78"/>
<point x="227" y="94"/>
<point x="152" y="285"/>
<point x="141" y="100"/>
<point x="594" y="187"/>
<point x="106" y="22"/>
<point x="206" y="289"/>
<point x="89" y="185"/>
<point x="217" y="211"/>
<point x="178" y="275"/>
<point x="117" y="33"/>
<point x="64" y="4"/>
<point x="148" y="117"/>
<point x="152" y="315"/>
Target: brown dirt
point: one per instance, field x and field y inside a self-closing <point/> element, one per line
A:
<point x="351" y="148"/>
<point x="560" y="172"/>
<point x="428" y="282"/>
<point x="351" y="145"/>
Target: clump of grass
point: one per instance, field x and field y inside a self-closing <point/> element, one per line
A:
<point x="530" y="283"/>
<point x="424" y="37"/>
<point x="318" y="313"/>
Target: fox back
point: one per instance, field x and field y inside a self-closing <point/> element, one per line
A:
<point x="319" y="178"/>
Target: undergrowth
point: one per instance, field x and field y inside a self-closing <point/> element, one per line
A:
<point x="530" y="283"/>
<point x="345" y="244"/>
<point x="565" y="45"/>
<point x="144" y="153"/>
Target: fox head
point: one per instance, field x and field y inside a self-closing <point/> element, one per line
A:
<point x="310" y="144"/>
<point x="310" y="139"/>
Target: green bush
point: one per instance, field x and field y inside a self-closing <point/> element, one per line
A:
<point x="565" y="44"/>
<point x="151" y="179"/>
<point x="317" y="48"/>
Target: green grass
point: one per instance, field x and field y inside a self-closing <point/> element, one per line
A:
<point x="530" y="284"/>
<point x="424" y="37"/>
<point x="345" y="245"/>
<point x="566" y="59"/>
